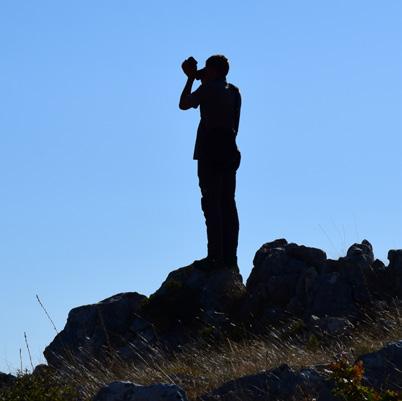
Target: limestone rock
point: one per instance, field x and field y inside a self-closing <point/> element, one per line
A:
<point x="92" y="329"/>
<point x="282" y="277"/>
<point x="299" y="280"/>
<point x="127" y="391"/>
<point x="383" y="368"/>
<point x="395" y="271"/>
<point x="191" y="296"/>
<point x="282" y="383"/>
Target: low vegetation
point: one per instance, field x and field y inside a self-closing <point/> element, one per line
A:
<point x="204" y="365"/>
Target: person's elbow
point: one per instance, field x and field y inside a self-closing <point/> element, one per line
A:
<point x="183" y="105"/>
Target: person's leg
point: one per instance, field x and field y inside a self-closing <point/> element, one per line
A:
<point x="210" y="182"/>
<point x="230" y="219"/>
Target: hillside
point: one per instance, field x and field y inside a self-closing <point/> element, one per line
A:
<point x="275" y="337"/>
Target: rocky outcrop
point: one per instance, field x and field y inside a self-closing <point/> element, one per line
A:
<point x="191" y="296"/>
<point x="287" y="281"/>
<point x="341" y="286"/>
<point x="94" y="330"/>
<point x="190" y="301"/>
<point x="394" y="282"/>
<point x="282" y="279"/>
<point x="127" y="391"/>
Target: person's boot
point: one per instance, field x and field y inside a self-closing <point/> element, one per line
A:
<point x="231" y="264"/>
<point x="209" y="264"/>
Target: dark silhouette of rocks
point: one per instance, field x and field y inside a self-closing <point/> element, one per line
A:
<point x="132" y="392"/>
<point x="190" y="295"/>
<point x="287" y="281"/>
<point x="189" y="302"/>
<point x="383" y="368"/>
<point x="282" y="279"/>
<point x="282" y="383"/>
<point x="93" y="330"/>
<point x="288" y="278"/>
<point x="394" y="272"/>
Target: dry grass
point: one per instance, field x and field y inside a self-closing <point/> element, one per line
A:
<point x="203" y="366"/>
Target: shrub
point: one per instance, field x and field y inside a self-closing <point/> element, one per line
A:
<point x="348" y="384"/>
<point x="38" y="387"/>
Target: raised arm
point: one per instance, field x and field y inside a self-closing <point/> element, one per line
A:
<point x="189" y="67"/>
<point x="185" y="103"/>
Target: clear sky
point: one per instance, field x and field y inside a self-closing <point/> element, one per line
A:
<point x="98" y="189"/>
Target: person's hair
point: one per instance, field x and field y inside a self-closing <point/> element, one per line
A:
<point x="219" y="63"/>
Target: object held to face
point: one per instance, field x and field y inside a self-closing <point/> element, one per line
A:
<point x="200" y="74"/>
<point x="189" y="67"/>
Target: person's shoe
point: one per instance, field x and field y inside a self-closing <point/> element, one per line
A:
<point x="231" y="264"/>
<point x="208" y="264"/>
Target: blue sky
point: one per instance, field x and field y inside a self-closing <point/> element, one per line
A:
<point x="98" y="189"/>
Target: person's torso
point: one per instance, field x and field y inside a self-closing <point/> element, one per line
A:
<point x="219" y="110"/>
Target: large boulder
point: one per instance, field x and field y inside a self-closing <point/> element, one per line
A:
<point x="395" y="259"/>
<point x="191" y="297"/>
<point x="94" y="330"/>
<point x="282" y="383"/>
<point x="281" y="278"/>
<point x="383" y="368"/>
<point x="361" y="254"/>
<point x="127" y="391"/>
<point x="299" y="280"/>
<point x="343" y="285"/>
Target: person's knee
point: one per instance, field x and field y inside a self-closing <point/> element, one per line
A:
<point x="229" y="201"/>
<point x="204" y="204"/>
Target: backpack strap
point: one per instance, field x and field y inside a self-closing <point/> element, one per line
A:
<point x="238" y="104"/>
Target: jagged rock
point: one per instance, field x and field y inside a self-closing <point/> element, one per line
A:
<point x="191" y="296"/>
<point x="282" y="277"/>
<point x="92" y="329"/>
<point x="383" y="368"/>
<point x="343" y="287"/>
<point x="332" y="295"/>
<point x="395" y="259"/>
<point x="6" y="379"/>
<point x="127" y="391"/>
<point x="282" y="383"/>
<point x="287" y="281"/>
<point x="361" y="254"/>
<point x="130" y="324"/>
<point x="395" y="272"/>
<point x="299" y="280"/>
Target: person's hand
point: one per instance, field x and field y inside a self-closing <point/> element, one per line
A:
<point x="189" y="67"/>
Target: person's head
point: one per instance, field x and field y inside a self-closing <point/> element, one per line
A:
<point x="216" y="67"/>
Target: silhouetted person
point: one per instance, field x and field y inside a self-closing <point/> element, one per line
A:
<point x="217" y="155"/>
